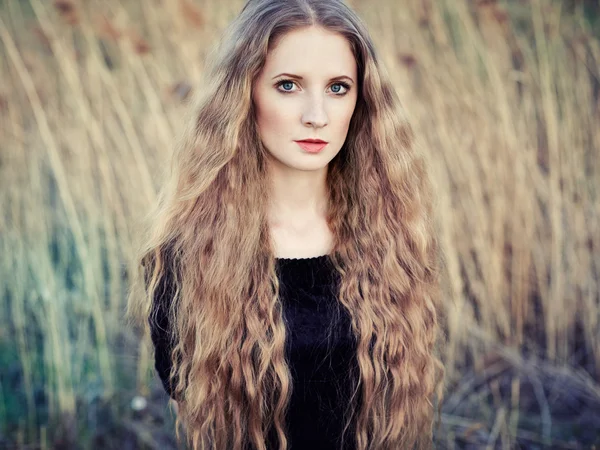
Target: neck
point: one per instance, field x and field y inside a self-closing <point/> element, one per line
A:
<point x="298" y="196"/>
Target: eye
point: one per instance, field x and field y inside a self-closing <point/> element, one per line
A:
<point x="342" y="85"/>
<point x="288" y="83"/>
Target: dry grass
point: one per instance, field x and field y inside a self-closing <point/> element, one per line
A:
<point x="506" y="105"/>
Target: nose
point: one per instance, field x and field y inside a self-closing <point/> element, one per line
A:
<point x="314" y="113"/>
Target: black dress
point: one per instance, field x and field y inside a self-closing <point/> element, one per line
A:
<point x="320" y="351"/>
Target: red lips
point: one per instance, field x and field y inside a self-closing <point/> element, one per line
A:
<point x="312" y="145"/>
<point x="313" y="141"/>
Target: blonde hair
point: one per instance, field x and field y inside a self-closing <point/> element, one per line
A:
<point x="210" y="240"/>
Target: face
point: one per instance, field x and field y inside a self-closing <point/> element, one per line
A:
<point x="306" y="90"/>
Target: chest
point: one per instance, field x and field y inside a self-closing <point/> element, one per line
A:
<point x="294" y="242"/>
<point x="321" y="353"/>
<point x="320" y="345"/>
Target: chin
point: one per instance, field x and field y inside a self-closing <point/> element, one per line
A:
<point x="313" y="162"/>
<point x="307" y="167"/>
<point x="304" y="162"/>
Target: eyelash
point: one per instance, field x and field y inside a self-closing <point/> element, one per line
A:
<point x="341" y="83"/>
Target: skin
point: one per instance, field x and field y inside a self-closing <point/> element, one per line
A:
<point x="289" y="109"/>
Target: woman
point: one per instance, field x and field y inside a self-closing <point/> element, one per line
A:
<point x="291" y="268"/>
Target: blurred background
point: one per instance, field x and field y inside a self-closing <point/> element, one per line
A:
<point x="504" y="97"/>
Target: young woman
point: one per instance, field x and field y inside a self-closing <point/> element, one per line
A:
<point x="291" y="270"/>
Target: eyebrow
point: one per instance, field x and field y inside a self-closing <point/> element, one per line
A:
<point x="298" y="77"/>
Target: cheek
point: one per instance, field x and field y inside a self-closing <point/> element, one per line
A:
<point x="344" y="118"/>
<point x="273" y="118"/>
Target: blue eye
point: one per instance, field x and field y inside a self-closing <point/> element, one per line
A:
<point x="337" y="92"/>
<point x="287" y="82"/>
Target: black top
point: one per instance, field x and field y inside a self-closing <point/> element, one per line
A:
<point x="320" y="351"/>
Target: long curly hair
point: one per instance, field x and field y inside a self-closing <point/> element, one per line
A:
<point x="210" y="236"/>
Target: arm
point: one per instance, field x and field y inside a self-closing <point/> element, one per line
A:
<point x="160" y="328"/>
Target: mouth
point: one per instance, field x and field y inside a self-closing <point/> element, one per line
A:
<point x="312" y="145"/>
<point x="313" y="141"/>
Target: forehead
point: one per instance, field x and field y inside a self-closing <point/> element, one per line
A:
<point x="311" y="52"/>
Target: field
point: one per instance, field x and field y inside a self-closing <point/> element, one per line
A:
<point x="505" y="101"/>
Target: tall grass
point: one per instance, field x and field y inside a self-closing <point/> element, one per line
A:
<point x="505" y="100"/>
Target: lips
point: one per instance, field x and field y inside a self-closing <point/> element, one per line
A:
<point x="313" y="141"/>
<point x="312" y="145"/>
